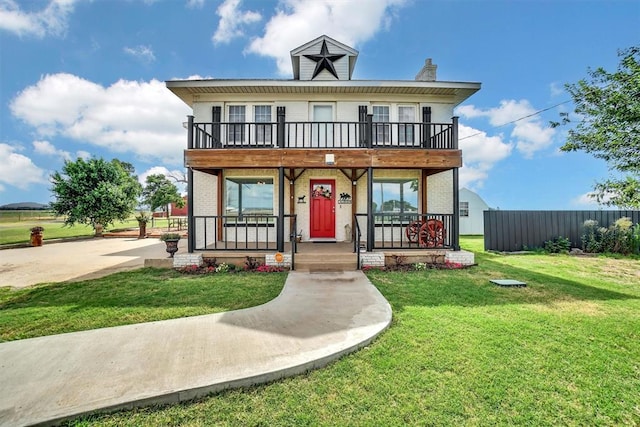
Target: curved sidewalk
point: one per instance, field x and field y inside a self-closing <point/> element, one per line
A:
<point x="316" y="319"/>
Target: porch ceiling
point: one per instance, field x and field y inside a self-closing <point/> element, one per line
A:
<point x="188" y="90"/>
<point x="436" y="160"/>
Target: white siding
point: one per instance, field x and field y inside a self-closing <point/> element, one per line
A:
<point x="474" y="223"/>
<point x="307" y="66"/>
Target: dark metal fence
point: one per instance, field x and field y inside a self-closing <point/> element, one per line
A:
<point x="511" y="231"/>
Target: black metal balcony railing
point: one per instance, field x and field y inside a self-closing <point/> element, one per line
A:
<point x="324" y="135"/>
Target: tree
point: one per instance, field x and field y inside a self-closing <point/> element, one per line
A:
<point x="95" y="192"/>
<point x="608" y="107"/>
<point x="160" y="192"/>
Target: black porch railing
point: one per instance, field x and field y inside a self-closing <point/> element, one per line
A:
<point x="412" y="231"/>
<point x="357" y="241"/>
<point x="231" y="232"/>
<point x="240" y="233"/>
<point x="324" y="135"/>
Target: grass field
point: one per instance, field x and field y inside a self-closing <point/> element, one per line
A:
<point x="15" y="228"/>
<point x="565" y="350"/>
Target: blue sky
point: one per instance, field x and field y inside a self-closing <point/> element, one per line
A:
<point x="86" y="78"/>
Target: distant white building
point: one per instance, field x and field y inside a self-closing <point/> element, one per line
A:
<point x="471" y="212"/>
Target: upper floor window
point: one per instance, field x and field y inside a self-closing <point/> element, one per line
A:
<point x="235" y="134"/>
<point x="262" y="114"/>
<point x="380" y="124"/>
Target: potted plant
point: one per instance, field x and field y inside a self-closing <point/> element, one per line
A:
<point x="171" y="240"/>
<point x="299" y="237"/>
<point x="36" y="235"/>
<point x="143" y="218"/>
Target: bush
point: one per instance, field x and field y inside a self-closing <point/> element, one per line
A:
<point x="622" y="237"/>
<point x="559" y="245"/>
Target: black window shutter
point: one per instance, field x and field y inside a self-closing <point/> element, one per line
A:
<point x="216" y="118"/>
<point x="362" y="118"/>
<point x="426" y="127"/>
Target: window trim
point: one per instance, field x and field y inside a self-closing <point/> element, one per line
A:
<point x="399" y="180"/>
<point x="245" y="180"/>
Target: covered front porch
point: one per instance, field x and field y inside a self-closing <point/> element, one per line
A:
<point x="331" y="256"/>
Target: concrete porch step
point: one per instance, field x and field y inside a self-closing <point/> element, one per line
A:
<point x="326" y="262"/>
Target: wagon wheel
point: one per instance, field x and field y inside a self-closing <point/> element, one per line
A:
<point x="432" y="234"/>
<point x="412" y="231"/>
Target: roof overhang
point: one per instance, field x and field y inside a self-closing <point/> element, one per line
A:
<point x="187" y="90"/>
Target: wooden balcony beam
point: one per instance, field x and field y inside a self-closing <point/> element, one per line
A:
<point x="387" y="158"/>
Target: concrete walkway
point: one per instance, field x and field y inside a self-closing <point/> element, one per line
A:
<point x="316" y="319"/>
<point x="77" y="260"/>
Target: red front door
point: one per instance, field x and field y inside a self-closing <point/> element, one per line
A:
<point x="323" y="209"/>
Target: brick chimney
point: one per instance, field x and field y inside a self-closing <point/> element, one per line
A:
<point x="428" y="72"/>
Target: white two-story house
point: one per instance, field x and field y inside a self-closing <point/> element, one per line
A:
<point x="323" y="157"/>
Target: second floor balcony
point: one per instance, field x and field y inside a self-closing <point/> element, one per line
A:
<point x="323" y="135"/>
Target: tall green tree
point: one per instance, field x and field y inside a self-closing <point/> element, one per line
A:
<point x="95" y="192"/>
<point x="160" y="192"/>
<point x="608" y="109"/>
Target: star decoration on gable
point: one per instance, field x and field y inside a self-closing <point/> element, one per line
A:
<point x="324" y="61"/>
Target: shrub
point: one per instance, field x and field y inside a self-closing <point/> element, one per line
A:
<point x="223" y="268"/>
<point x="558" y="245"/>
<point x="621" y="237"/>
<point x="420" y="266"/>
<point x="591" y="237"/>
<point x="251" y="264"/>
<point x="269" y="269"/>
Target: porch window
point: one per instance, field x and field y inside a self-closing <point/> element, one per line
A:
<point x="406" y="114"/>
<point x="235" y="134"/>
<point x="464" y="208"/>
<point x="249" y="197"/>
<point x="395" y="200"/>
<point x="262" y="114"/>
<point x="380" y="124"/>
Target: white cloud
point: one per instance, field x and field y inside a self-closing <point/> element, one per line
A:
<point x="586" y="201"/>
<point x="143" y="53"/>
<point x="171" y="174"/>
<point x="52" y="20"/>
<point x="479" y="154"/>
<point x="18" y="170"/>
<point x="299" y="21"/>
<point x="195" y="4"/>
<point x="531" y="134"/>
<point x="232" y="19"/>
<point x="48" y="149"/>
<point x="85" y="155"/>
<point x="556" y="89"/>
<point x="138" y="117"/>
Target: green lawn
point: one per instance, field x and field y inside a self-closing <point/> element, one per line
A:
<point x="565" y="350"/>
<point x="18" y="231"/>
<point x="142" y="295"/>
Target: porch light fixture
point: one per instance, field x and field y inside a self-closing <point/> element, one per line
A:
<point x="330" y="159"/>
